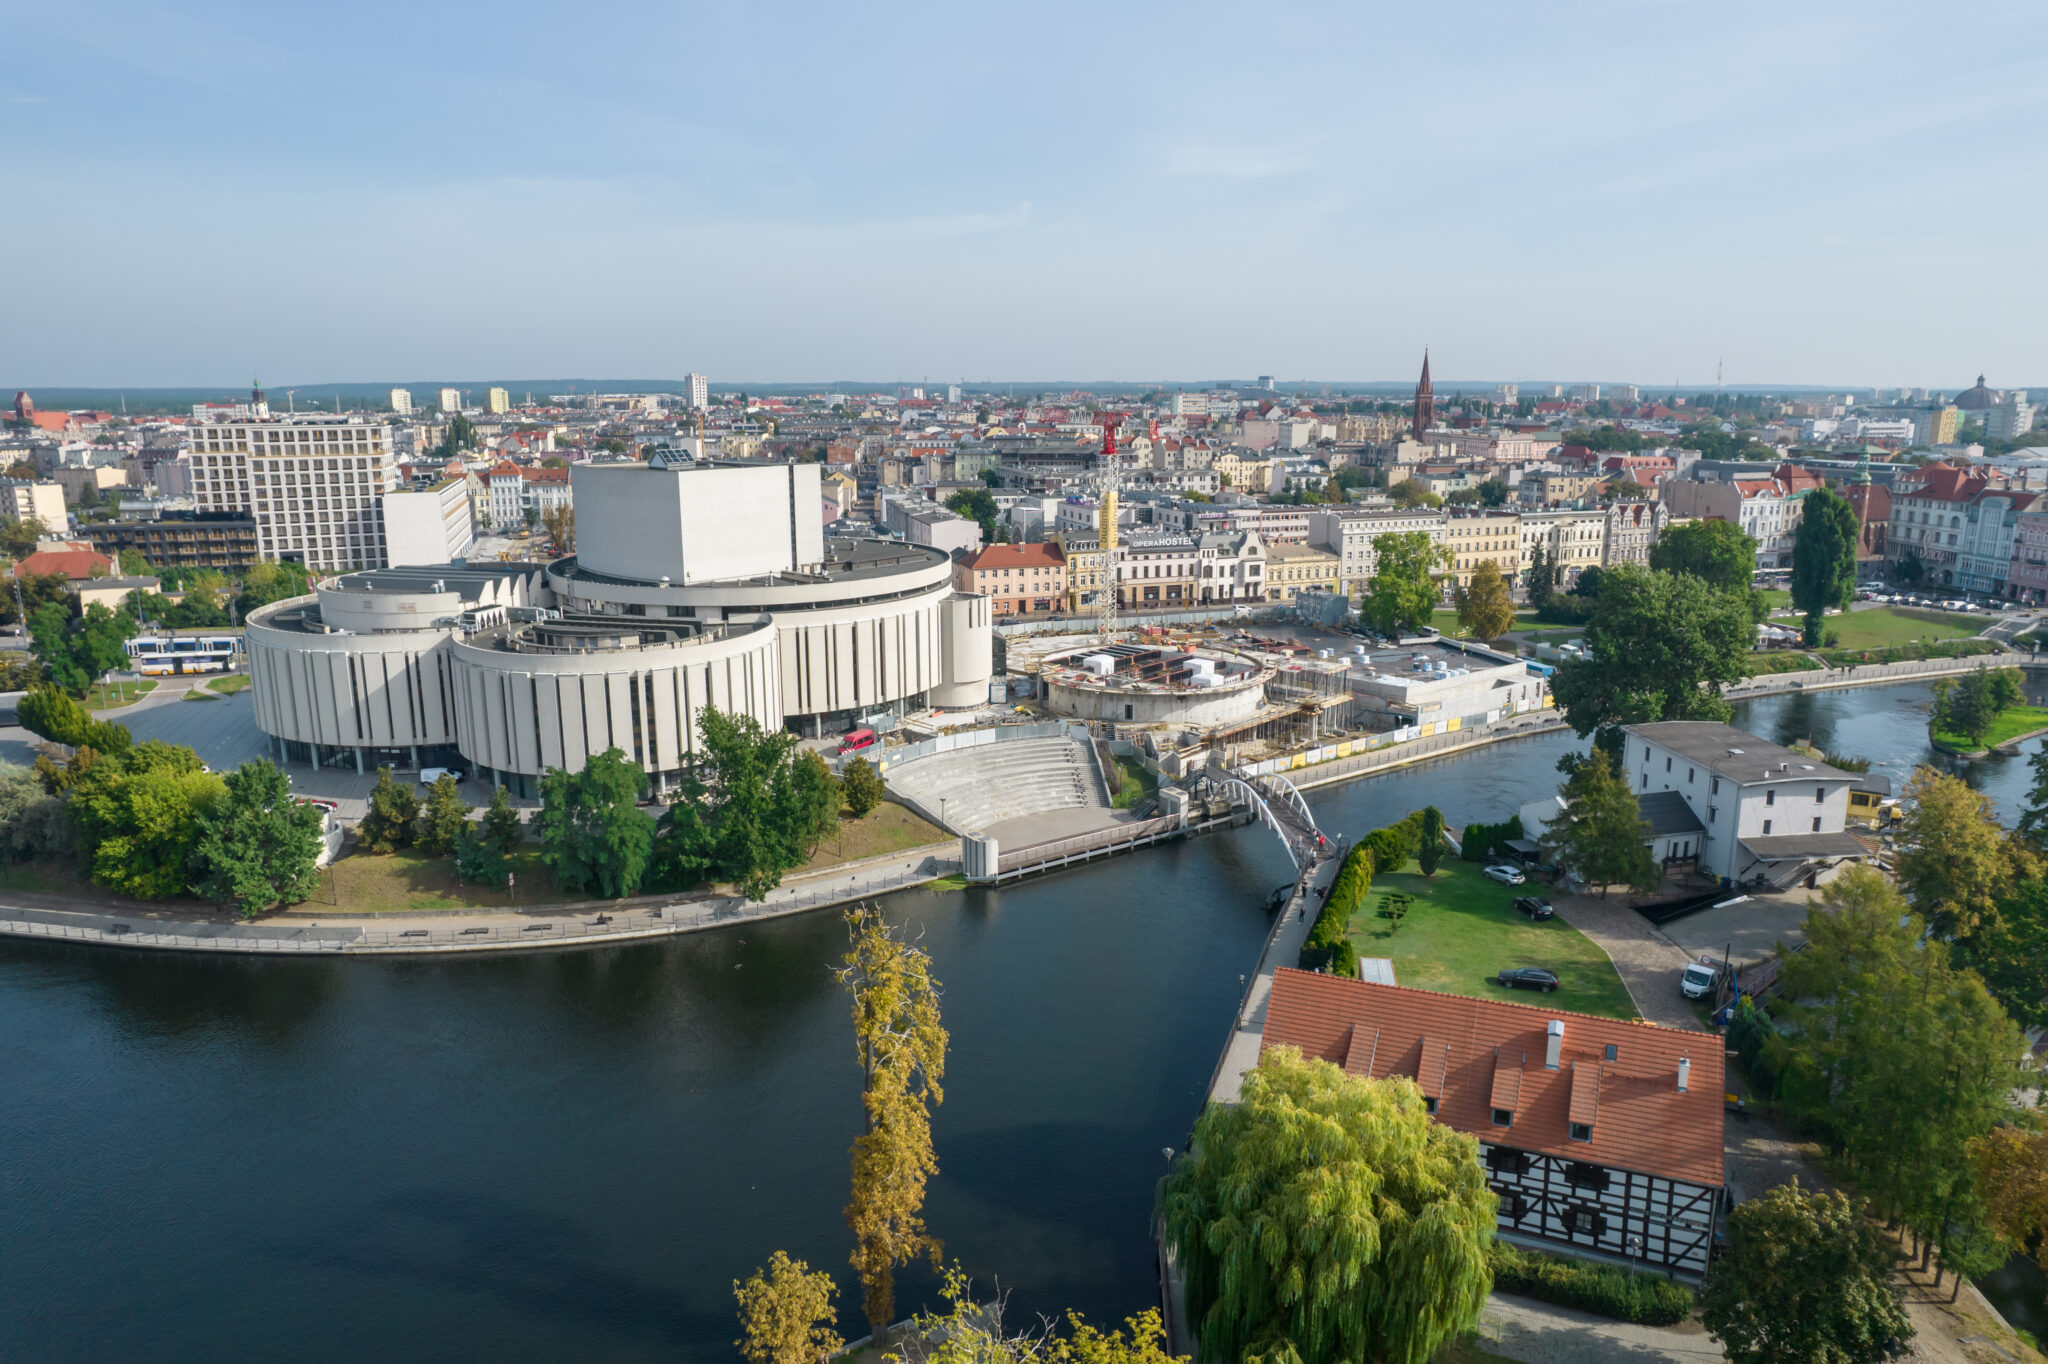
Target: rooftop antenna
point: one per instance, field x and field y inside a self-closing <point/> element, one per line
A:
<point x="291" y="405"/>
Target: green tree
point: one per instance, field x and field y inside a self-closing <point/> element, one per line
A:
<point x="1542" y="577"/>
<point x="593" y="831"/>
<point x="1485" y="609"/>
<point x="747" y="811"/>
<point x="1806" y="1280"/>
<point x="48" y="712"/>
<point x="1601" y="836"/>
<point x="136" y="817"/>
<point x="1954" y="859"/>
<point x="1720" y="553"/>
<point x="977" y="504"/>
<point x="442" y="818"/>
<point x="501" y="824"/>
<point x="1823" y="558"/>
<point x="786" y="1314"/>
<point x="478" y="859"/>
<point x="1967" y="708"/>
<point x="460" y="436"/>
<point x="901" y="1048"/>
<point x="32" y="823"/>
<point x="18" y="538"/>
<point x="862" y="787"/>
<point x="268" y="581"/>
<point x="392" y="821"/>
<point x="257" y="847"/>
<point x="1432" y="850"/>
<point x="1403" y="592"/>
<point x="132" y="564"/>
<point x="37" y="590"/>
<point x="1894" y="1058"/>
<point x="1660" y="647"/>
<point x="1326" y="1217"/>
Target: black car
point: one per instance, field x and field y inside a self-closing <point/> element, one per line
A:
<point x="1528" y="978"/>
<point x="1535" y="906"/>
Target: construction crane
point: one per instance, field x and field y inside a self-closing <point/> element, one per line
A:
<point x="1109" y="478"/>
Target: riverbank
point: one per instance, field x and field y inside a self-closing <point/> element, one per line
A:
<point x="579" y="923"/>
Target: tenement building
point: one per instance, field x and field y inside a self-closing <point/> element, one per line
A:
<point x="1601" y="1139"/>
<point x="696" y="585"/>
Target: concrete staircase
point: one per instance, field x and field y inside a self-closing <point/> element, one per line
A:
<point x="972" y="788"/>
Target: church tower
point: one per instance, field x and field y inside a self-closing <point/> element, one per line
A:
<point x="1425" y="401"/>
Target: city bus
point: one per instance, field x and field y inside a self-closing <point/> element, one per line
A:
<point x="161" y="656"/>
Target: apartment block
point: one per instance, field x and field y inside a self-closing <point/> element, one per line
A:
<point x="312" y="484"/>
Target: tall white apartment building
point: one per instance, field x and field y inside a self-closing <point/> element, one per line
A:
<point x="451" y="400"/>
<point x="401" y="401"/>
<point x="696" y="391"/>
<point x="313" y="484"/>
<point x="498" y="402"/>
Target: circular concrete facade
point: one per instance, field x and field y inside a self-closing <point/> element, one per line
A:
<point x="1154" y="686"/>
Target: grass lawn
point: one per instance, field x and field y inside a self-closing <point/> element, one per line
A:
<point x="114" y="695"/>
<point x="1882" y="626"/>
<point x="1777" y="598"/>
<point x="366" y="883"/>
<point x="1139" y="784"/>
<point x="1446" y="622"/>
<point x="195" y="694"/>
<point x="2009" y="725"/>
<point x="888" y="828"/>
<point x="1463" y="929"/>
<point x="229" y="685"/>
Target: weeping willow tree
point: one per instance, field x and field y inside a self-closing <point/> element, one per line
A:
<point x="902" y="1050"/>
<point x="1326" y="1217"/>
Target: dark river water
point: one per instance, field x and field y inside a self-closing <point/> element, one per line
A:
<point x="574" y="1154"/>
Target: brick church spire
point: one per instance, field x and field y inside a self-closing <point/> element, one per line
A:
<point x="1425" y="400"/>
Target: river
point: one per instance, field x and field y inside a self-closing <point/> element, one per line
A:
<point x="572" y="1154"/>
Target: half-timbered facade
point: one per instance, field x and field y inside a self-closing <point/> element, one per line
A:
<point x="1600" y="1138"/>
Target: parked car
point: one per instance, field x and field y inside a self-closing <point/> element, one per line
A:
<point x="1698" y="980"/>
<point x="857" y="740"/>
<point x="1535" y="906"/>
<point x="1528" y="978"/>
<point x="430" y="775"/>
<point x="1506" y="875"/>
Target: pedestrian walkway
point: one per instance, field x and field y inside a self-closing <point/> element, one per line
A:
<point x="574" y="923"/>
<point x="1283" y="948"/>
<point x="1648" y="962"/>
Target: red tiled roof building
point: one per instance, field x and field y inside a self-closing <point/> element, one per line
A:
<point x="1601" y="1138"/>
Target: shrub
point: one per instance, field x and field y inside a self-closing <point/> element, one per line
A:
<point x="1328" y="947"/>
<point x="1750" y="1033"/>
<point x="1644" y="1299"/>
<point x="47" y="711"/>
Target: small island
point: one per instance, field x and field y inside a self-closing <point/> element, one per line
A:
<point x="1984" y="711"/>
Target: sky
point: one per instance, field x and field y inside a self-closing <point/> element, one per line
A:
<point x="214" y="190"/>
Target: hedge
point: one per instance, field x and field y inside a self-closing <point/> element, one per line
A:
<point x="1645" y="1299"/>
<point x="47" y="711"/>
<point x="1480" y="842"/>
<point x="1328" y="947"/>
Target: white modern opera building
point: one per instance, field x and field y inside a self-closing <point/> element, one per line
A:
<point x="693" y="585"/>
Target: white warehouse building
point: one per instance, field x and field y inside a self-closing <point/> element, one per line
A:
<point x="697" y="584"/>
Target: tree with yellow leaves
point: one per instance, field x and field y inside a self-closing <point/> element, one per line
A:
<point x="902" y="1051"/>
<point x="786" y="1314"/>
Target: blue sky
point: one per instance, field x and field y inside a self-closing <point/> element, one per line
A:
<point x="1829" y="194"/>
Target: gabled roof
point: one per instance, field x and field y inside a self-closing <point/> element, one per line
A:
<point x="74" y="565"/>
<point x="1044" y="555"/>
<point x="1481" y="1054"/>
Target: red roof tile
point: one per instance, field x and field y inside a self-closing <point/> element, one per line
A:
<point x="1480" y="1054"/>
<point x="72" y="564"/>
<point x="1018" y="556"/>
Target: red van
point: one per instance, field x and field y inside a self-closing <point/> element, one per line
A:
<point x="857" y="740"/>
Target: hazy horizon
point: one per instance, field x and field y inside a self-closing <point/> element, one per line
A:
<point x="232" y="189"/>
